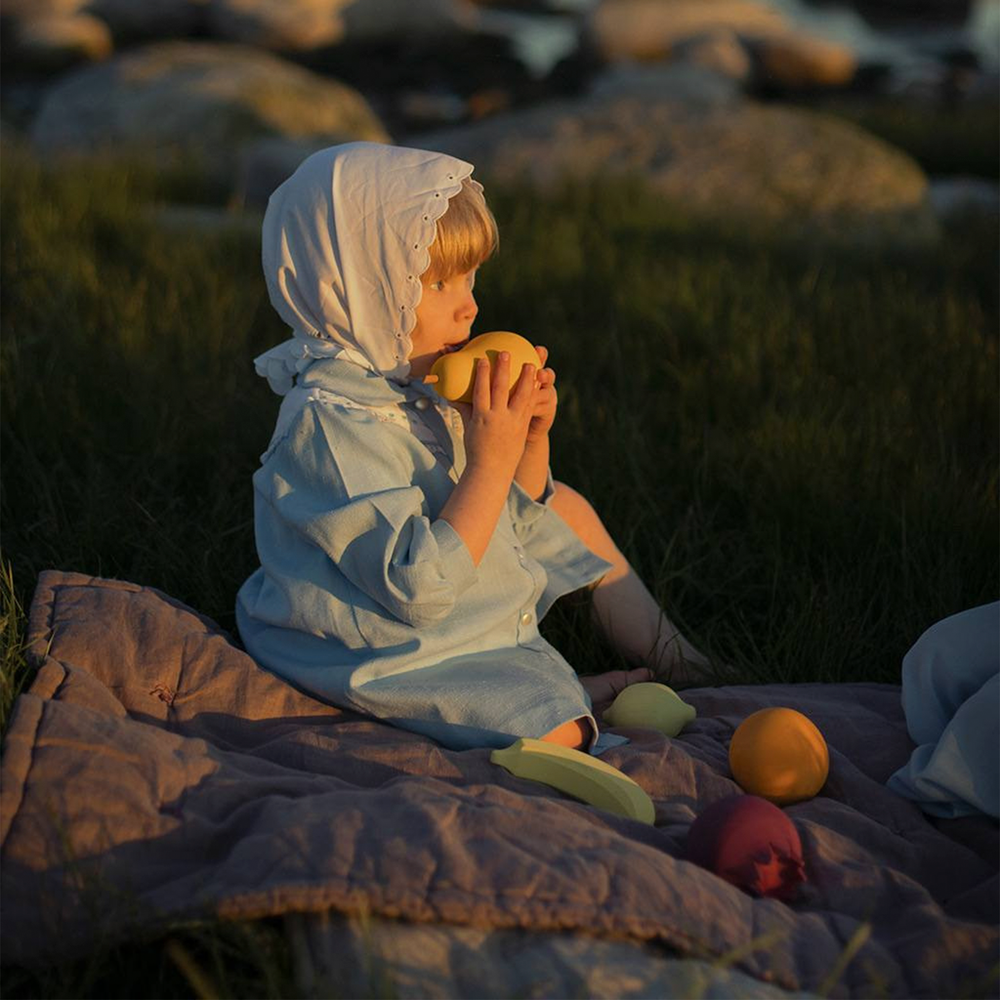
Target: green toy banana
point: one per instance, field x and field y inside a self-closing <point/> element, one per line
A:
<point x="650" y="705"/>
<point x="577" y="774"/>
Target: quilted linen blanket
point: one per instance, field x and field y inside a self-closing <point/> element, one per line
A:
<point x="153" y="772"/>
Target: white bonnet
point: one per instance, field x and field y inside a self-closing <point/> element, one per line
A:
<point x="344" y="242"/>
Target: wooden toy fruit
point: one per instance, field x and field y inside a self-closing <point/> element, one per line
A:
<point x="750" y="843"/>
<point x="779" y="754"/>
<point x="649" y="705"/>
<point x="455" y="372"/>
<point x="578" y="774"/>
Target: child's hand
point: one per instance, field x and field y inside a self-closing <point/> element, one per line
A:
<point x="497" y="420"/>
<point x="544" y="414"/>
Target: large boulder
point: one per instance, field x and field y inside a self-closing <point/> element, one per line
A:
<point x="199" y="100"/>
<point x="714" y="31"/>
<point x="650" y="29"/>
<point x="682" y="80"/>
<point x="305" y="25"/>
<point x="372" y="20"/>
<point x="787" y="167"/>
<point x="283" y="25"/>
<point x="134" y="20"/>
<point x="54" y="42"/>
<point x="719" y="51"/>
<point x="263" y="165"/>
<point x="15" y="11"/>
<point x="798" y="61"/>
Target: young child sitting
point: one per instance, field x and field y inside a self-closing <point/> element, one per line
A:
<point x="408" y="546"/>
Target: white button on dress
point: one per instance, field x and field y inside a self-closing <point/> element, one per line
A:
<point x="422" y="403"/>
<point x="526" y="618"/>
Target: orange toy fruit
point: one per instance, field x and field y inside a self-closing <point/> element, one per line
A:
<point x="780" y="755"/>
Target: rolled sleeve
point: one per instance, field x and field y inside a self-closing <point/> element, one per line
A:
<point x="548" y="539"/>
<point x="524" y="510"/>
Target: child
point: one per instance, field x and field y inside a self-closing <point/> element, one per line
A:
<point x="409" y="547"/>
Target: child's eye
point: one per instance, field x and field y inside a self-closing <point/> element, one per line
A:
<point x="438" y="286"/>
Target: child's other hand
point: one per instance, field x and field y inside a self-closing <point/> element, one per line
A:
<point x="497" y="420"/>
<point x="544" y="414"/>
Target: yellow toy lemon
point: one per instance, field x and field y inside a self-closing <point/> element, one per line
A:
<point x="455" y="372"/>
<point x="650" y="706"/>
<point x="780" y="755"/>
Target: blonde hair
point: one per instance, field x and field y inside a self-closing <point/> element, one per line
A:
<point x="466" y="236"/>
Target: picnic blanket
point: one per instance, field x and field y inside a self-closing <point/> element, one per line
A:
<point x="154" y="773"/>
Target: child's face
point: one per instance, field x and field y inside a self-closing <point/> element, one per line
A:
<point x="444" y="320"/>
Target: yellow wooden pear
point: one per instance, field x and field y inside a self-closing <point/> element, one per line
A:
<point x="650" y="706"/>
<point x="455" y="372"/>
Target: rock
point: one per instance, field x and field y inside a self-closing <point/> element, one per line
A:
<point x="307" y="25"/>
<point x="371" y="20"/>
<point x="649" y="29"/>
<point x="266" y="163"/>
<point x="680" y="81"/>
<point x="954" y="199"/>
<point x="15" y="11"/>
<point x="474" y="67"/>
<point x="796" y="170"/>
<point x="195" y="219"/>
<point x="432" y="109"/>
<point x="56" y="42"/>
<point x="796" y="60"/>
<point x="719" y="52"/>
<point x="716" y="34"/>
<point x="132" y="20"/>
<point x="198" y="100"/>
<point x="283" y="25"/>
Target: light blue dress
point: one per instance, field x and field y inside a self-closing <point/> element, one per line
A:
<point x="366" y="598"/>
<point x="951" y="699"/>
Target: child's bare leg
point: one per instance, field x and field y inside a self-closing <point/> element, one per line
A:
<point x="625" y="610"/>
<point x="570" y="734"/>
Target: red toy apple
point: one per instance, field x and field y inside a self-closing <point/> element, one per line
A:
<point x="751" y="843"/>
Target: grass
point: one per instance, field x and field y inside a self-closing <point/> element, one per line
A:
<point x="209" y="960"/>
<point x="795" y="445"/>
<point x="14" y="668"/>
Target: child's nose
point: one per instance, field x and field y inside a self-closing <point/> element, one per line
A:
<point x="468" y="309"/>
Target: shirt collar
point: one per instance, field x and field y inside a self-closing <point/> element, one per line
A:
<point x="362" y="385"/>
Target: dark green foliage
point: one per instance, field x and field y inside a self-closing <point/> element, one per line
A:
<point x="796" y="447"/>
